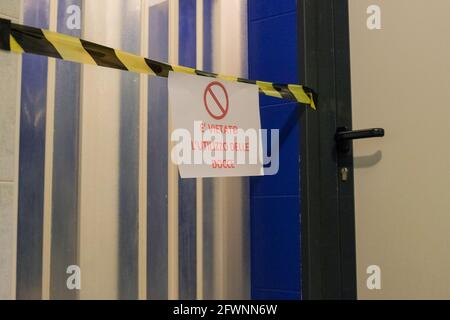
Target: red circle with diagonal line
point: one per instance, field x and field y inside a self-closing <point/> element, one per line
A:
<point x="216" y="100"/>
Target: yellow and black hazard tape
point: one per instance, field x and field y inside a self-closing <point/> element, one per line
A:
<point x="25" y="39"/>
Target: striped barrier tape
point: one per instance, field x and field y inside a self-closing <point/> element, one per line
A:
<point x="25" y="39"/>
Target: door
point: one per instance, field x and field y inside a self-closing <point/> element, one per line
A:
<point x="327" y="206"/>
<point x="375" y="220"/>
<point x="400" y="77"/>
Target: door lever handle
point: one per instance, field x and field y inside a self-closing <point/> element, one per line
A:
<point x="344" y="136"/>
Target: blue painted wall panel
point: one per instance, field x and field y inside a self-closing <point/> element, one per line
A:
<point x="283" y="117"/>
<point x="273" y="51"/>
<point x="275" y="243"/>
<point x="260" y="9"/>
<point x="275" y="209"/>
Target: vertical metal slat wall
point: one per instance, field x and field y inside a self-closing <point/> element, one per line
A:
<point x="137" y="231"/>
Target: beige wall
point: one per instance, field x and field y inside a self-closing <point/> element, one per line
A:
<point x="10" y="65"/>
<point x="400" y="81"/>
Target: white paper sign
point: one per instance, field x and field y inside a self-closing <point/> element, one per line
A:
<point x="215" y="127"/>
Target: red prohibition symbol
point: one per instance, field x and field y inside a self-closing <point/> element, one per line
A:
<point x="218" y="104"/>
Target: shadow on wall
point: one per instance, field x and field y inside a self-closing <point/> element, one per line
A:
<point x="367" y="161"/>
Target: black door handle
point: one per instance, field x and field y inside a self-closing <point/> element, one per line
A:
<point x="344" y="136"/>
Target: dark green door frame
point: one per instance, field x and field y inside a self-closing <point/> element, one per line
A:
<point x="328" y="217"/>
